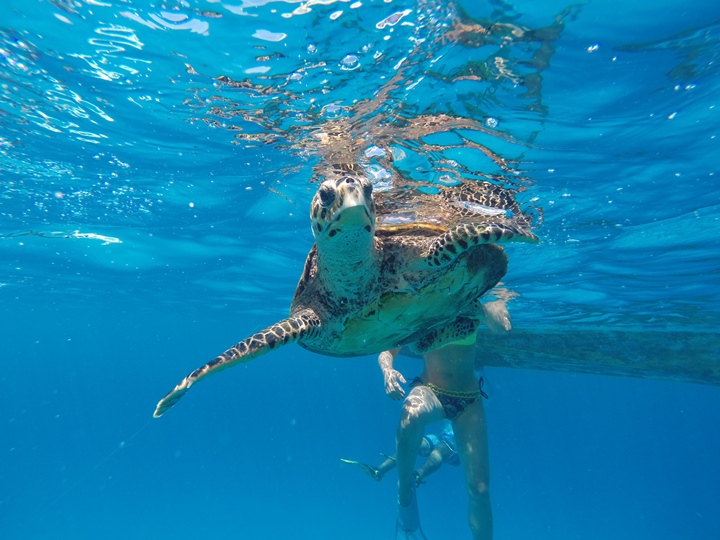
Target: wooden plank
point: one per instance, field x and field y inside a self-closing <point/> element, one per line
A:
<point x="679" y="356"/>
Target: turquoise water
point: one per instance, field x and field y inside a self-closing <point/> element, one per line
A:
<point x="157" y="166"/>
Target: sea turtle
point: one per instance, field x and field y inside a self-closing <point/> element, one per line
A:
<point x="401" y="267"/>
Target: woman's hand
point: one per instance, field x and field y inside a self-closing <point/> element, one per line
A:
<point x="393" y="378"/>
<point x="393" y="381"/>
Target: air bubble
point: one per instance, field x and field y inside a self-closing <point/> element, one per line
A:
<point x="332" y="111"/>
<point x="374" y="151"/>
<point x="350" y="63"/>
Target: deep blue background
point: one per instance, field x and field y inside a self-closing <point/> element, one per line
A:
<point x="255" y="453"/>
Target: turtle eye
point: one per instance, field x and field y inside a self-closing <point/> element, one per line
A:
<point x="327" y="196"/>
<point x="367" y="189"/>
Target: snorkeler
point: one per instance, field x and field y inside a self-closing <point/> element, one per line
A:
<point x="439" y="450"/>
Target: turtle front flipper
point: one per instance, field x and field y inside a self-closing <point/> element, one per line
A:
<point x="450" y="245"/>
<point x="281" y="333"/>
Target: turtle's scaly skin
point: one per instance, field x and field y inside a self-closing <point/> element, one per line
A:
<point x="415" y="281"/>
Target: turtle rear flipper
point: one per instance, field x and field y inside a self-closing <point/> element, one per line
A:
<point x="496" y="316"/>
<point x="281" y="333"/>
<point x="460" y="329"/>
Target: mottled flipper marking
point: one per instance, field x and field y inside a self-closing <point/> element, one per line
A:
<point x="449" y="246"/>
<point x="281" y="333"/>
<point x="459" y="329"/>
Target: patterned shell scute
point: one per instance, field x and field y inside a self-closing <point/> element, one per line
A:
<point x="412" y="210"/>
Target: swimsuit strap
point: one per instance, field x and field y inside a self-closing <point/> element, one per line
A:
<point x="454" y="393"/>
<point x="481" y="382"/>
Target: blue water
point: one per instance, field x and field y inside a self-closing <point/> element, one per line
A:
<point x="156" y="166"/>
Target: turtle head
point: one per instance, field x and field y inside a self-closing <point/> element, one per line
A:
<point x="343" y="214"/>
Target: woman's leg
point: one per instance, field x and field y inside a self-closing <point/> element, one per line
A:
<point x="471" y="436"/>
<point x="420" y="408"/>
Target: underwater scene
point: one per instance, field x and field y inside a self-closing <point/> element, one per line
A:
<point x="460" y="258"/>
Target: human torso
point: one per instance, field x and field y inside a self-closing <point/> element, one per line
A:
<point x="451" y="368"/>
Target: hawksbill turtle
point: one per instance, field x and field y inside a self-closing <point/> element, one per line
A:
<point x="399" y="267"/>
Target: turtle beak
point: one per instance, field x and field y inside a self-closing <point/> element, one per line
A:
<point x="354" y="210"/>
<point x="351" y="192"/>
<point x="354" y="216"/>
